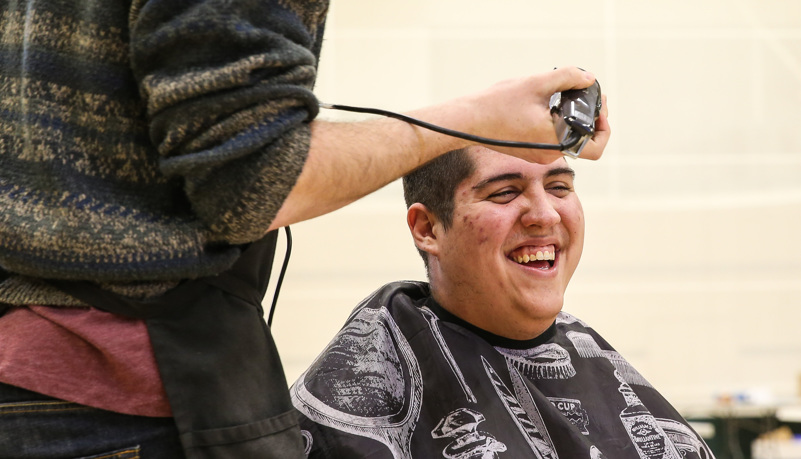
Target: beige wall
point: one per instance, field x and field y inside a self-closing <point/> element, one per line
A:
<point x="692" y="266"/>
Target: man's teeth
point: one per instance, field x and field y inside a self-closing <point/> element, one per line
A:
<point x="540" y="255"/>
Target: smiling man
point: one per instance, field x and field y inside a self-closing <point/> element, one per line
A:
<point x="511" y="244"/>
<point x="481" y="362"/>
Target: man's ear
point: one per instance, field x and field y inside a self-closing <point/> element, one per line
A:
<point x="424" y="227"/>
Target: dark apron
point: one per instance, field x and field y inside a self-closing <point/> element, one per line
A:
<point x="217" y="359"/>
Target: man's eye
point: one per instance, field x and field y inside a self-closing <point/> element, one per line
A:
<point x="503" y="196"/>
<point x="560" y="190"/>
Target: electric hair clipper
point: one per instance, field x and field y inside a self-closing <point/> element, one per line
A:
<point x="574" y="114"/>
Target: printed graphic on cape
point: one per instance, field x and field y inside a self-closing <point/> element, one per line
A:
<point x="433" y="323"/>
<point x="567" y="319"/>
<point x="587" y="347"/>
<point x="685" y="439"/>
<point x="523" y="411"/>
<point x="461" y="426"/>
<point x="547" y="361"/>
<point x="367" y="382"/>
<point x="308" y="441"/>
<point x="595" y="453"/>
<point x="572" y="411"/>
<point x="648" y="437"/>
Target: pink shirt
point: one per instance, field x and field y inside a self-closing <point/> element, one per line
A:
<point x="85" y="356"/>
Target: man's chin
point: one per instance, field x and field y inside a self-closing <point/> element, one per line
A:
<point x="545" y="308"/>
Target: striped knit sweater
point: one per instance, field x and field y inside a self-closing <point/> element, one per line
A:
<point x="142" y="140"/>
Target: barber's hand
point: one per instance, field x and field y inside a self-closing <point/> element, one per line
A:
<point x="519" y="110"/>
<point x="595" y="147"/>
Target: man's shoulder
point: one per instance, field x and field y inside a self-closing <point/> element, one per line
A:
<point x="398" y="291"/>
<point x="365" y="371"/>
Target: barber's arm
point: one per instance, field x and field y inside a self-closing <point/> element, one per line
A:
<point x="229" y="95"/>
<point x="347" y="161"/>
<point x="227" y="86"/>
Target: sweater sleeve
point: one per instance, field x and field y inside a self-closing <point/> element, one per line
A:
<point x="228" y="88"/>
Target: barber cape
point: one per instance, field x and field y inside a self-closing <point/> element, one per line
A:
<point x="406" y="379"/>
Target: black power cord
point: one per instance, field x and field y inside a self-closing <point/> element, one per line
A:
<point x="281" y="276"/>
<point x="571" y="141"/>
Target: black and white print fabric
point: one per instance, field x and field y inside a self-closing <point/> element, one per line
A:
<point x="406" y="379"/>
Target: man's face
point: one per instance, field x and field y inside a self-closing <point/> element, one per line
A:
<point x="514" y="243"/>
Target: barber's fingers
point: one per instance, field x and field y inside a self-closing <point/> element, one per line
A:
<point x="564" y="78"/>
<point x="604" y="106"/>
<point x="595" y="147"/>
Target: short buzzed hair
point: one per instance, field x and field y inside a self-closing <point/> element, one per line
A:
<point x="434" y="185"/>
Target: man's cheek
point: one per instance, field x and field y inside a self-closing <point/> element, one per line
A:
<point x="483" y="231"/>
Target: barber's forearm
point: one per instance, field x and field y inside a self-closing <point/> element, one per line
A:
<point x="347" y="161"/>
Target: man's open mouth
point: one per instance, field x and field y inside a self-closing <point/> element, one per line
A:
<point x="535" y="257"/>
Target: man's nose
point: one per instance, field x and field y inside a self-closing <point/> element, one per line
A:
<point x="540" y="211"/>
